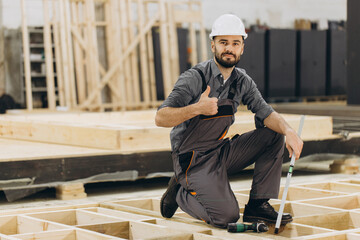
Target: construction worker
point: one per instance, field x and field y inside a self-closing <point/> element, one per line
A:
<point x="201" y="109"/>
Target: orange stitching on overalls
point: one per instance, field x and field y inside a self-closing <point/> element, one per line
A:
<point x="217" y="117"/>
<point x="189" y="167"/>
<point x="224" y="134"/>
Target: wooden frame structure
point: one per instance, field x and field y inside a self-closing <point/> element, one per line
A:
<point x="106" y="46"/>
<point x="315" y="217"/>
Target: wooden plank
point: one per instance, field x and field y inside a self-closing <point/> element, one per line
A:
<point x="115" y="19"/>
<point x="58" y="57"/>
<point x="334" y="221"/>
<point x="110" y="34"/>
<point x="133" y="54"/>
<point x="151" y="60"/>
<point x="173" y="42"/>
<point x="64" y="54"/>
<point x="73" y="217"/>
<point x="121" y="215"/>
<point x="133" y="230"/>
<point x="26" y="52"/>
<point x="143" y="55"/>
<point x="347" y="202"/>
<point x="79" y="55"/>
<point x="334" y="186"/>
<point x="164" y="47"/>
<point x="93" y="62"/>
<point x="125" y="42"/>
<point x="47" y="208"/>
<point x="300" y="193"/>
<point x="189" y="15"/>
<point x="50" y="84"/>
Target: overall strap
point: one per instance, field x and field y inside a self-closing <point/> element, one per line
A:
<point x="232" y="90"/>
<point x="204" y="85"/>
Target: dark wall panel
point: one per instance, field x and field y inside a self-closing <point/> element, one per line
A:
<point x="311" y="79"/>
<point x="353" y="51"/>
<point x="281" y="63"/>
<point x="336" y="62"/>
<point x="253" y="59"/>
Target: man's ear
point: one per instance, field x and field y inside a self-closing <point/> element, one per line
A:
<point x="213" y="46"/>
<point x="242" y="50"/>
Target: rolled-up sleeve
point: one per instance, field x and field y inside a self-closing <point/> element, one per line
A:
<point x="254" y="101"/>
<point x="184" y="91"/>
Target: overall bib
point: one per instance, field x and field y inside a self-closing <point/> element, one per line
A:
<point x="205" y="191"/>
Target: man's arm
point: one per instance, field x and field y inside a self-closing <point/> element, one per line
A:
<point x="171" y="117"/>
<point x="278" y="124"/>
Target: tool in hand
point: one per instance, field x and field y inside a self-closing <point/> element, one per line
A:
<point x="241" y="227"/>
<point x="292" y="163"/>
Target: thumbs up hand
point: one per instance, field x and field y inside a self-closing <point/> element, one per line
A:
<point x="207" y="106"/>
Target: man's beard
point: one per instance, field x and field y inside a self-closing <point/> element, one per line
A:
<point x="226" y="63"/>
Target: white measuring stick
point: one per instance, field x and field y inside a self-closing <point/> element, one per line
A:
<point x="288" y="178"/>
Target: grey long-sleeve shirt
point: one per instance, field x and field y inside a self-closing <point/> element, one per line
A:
<point x="188" y="89"/>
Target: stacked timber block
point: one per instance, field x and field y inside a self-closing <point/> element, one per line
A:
<point x="347" y="166"/>
<point x="127" y="131"/>
<point x="70" y="191"/>
<point x="321" y="210"/>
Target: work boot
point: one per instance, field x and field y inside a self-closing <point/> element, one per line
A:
<point x="168" y="204"/>
<point x="264" y="212"/>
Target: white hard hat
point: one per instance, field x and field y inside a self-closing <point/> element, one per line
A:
<point x="228" y="24"/>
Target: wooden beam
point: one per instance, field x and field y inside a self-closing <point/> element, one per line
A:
<point x="134" y="54"/>
<point x="164" y="46"/>
<point x="26" y="52"/>
<point x="173" y="40"/>
<point x="72" y="86"/>
<point x="50" y="84"/>
<point x="79" y="55"/>
<point x="151" y="61"/>
<point x="58" y="56"/>
<point x="93" y="62"/>
<point x="143" y="54"/>
<point x="125" y="42"/>
<point x="64" y="55"/>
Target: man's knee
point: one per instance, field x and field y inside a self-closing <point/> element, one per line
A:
<point x="227" y="215"/>
<point x="274" y="138"/>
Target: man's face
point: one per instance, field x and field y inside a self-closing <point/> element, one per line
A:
<point x="227" y="49"/>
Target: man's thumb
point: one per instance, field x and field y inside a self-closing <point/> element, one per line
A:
<point x="207" y="91"/>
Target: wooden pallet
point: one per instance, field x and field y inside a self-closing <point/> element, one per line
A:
<point x="322" y="210"/>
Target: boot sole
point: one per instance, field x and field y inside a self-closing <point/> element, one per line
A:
<point x="258" y="219"/>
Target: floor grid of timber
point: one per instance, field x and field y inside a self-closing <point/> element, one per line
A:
<point x="321" y="210"/>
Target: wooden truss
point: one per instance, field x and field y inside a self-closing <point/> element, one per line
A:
<point x="104" y="54"/>
<point x="321" y="210"/>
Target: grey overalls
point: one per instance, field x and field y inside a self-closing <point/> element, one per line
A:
<point x="201" y="164"/>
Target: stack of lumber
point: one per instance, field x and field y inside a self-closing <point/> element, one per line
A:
<point x="127" y="131"/>
<point x="104" y="54"/>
